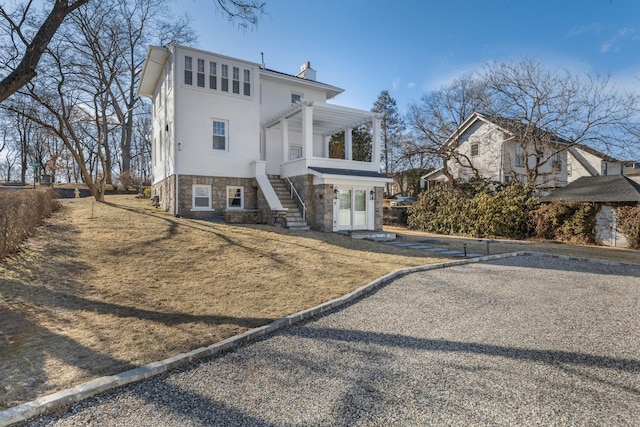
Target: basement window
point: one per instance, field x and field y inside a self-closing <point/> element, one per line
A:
<point x="201" y="197"/>
<point x="235" y="197"/>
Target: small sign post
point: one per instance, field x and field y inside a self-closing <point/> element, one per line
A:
<point x="36" y="166"/>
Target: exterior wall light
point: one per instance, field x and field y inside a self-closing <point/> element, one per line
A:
<point x="335" y="193"/>
<point x="372" y="195"/>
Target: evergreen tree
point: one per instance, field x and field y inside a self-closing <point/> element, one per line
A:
<point x="391" y="129"/>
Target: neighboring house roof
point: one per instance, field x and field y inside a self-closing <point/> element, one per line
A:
<point x="433" y="173"/>
<point x="510" y="126"/>
<point x="600" y="189"/>
<point x="597" y="153"/>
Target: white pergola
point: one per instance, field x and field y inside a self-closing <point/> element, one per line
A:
<point x="311" y="118"/>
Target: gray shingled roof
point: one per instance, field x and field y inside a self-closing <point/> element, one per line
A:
<point x="348" y="172"/>
<point x="599" y="189"/>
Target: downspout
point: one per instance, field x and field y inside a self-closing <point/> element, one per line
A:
<point x="176" y="198"/>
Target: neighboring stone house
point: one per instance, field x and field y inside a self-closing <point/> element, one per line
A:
<point x="585" y="161"/>
<point x="609" y="191"/>
<point x="236" y="140"/>
<point x="486" y="147"/>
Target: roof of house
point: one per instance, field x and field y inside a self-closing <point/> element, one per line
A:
<point x="599" y="189"/>
<point x="348" y="172"/>
<point x="512" y="127"/>
<point x="597" y="153"/>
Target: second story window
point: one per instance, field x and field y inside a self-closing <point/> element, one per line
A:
<point x="224" y="80"/>
<point x="200" y="74"/>
<point x="474" y="149"/>
<point x="247" y="82"/>
<point x="188" y="70"/>
<point x="296" y="97"/>
<point x="519" y="160"/>
<point x="213" y="75"/>
<point x="219" y="135"/>
<point x="236" y="80"/>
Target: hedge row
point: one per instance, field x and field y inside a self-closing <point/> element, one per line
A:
<point x="478" y="210"/>
<point x="484" y="209"/>
<point x="21" y="211"/>
<point x="629" y="221"/>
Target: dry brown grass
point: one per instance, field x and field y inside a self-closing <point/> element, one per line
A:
<point x="105" y="287"/>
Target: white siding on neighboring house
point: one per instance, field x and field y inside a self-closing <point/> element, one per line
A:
<point x="481" y="144"/>
<point x="585" y="163"/>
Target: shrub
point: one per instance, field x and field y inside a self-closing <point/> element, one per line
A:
<point x="629" y="222"/>
<point x="20" y="213"/>
<point x="566" y="221"/>
<point x="479" y="209"/>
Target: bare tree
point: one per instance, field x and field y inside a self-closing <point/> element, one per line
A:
<point x="23" y="52"/>
<point x="549" y="110"/>
<point x="439" y="115"/>
<point x="545" y="110"/>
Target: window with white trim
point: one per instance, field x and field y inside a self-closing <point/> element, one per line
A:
<point x="201" y="197"/>
<point x="236" y="80"/>
<point x="474" y="149"/>
<point x="519" y="160"/>
<point x="296" y="97"/>
<point x="224" y="81"/>
<point x="219" y="135"/>
<point x="188" y="70"/>
<point x="213" y="75"/>
<point x="200" y="74"/>
<point x="247" y="83"/>
<point x="235" y="197"/>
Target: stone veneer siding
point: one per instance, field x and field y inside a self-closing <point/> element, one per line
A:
<point x="166" y="192"/>
<point x="250" y="214"/>
<point x="319" y="201"/>
<point x="318" y="198"/>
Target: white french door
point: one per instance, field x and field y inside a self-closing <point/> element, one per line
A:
<point x="352" y="209"/>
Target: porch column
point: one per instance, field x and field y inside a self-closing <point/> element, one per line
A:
<point x="375" y="150"/>
<point x="348" y="144"/>
<point x="326" y="146"/>
<point x="307" y="131"/>
<point x="285" y="139"/>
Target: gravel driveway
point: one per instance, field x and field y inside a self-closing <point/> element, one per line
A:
<point x="528" y="340"/>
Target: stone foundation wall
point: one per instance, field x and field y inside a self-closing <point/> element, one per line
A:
<point x="219" y="197"/>
<point x="379" y="206"/>
<point x="165" y="190"/>
<point x="323" y="204"/>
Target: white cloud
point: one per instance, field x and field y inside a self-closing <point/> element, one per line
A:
<point x="411" y="86"/>
<point x="621" y="34"/>
<point x="578" y="31"/>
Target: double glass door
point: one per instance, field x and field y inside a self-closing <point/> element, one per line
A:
<point x="352" y="209"/>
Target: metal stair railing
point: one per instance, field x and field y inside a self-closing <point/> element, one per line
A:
<point x="294" y="192"/>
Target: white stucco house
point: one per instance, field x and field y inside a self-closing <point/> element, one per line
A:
<point x="234" y="139"/>
<point x="584" y="161"/>
<point x="488" y="147"/>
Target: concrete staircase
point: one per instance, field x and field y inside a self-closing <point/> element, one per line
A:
<point x="295" y="220"/>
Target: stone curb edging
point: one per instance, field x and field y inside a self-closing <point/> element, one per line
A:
<point x="91" y="388"/>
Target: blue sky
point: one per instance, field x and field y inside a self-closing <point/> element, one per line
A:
<point x="409" y="47"/>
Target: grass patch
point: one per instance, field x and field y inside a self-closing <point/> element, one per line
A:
<point x="105" y="287"/>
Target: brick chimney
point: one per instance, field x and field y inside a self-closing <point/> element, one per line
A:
<point x="306" y="72"/>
